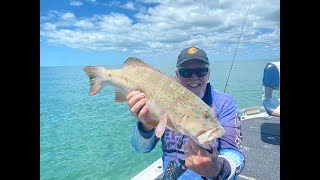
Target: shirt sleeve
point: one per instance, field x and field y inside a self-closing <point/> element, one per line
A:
<point x="230" y="144"/>
<point x="235" y="162"/>
<point x="229" y="118"/>
<point x="143" y="142"/>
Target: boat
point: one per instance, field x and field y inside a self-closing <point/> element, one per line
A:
<point x="260" y="127"/>
<point x="271" y="83"/>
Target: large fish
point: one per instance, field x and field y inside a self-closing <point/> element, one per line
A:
<point x="170" y="104"/>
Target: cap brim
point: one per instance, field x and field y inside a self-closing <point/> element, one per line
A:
<point x="187" y="59"/>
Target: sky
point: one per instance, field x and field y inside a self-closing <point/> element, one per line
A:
<point x="103" y="32"/>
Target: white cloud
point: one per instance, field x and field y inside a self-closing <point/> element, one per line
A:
<point x="67" y="16"/>
<point x="129" y="5"/>
<point x="170" y="25"/>
<point x="76" y="3"/>
<point x="113" y="3"/>
<point x="48" y="27"/>
<point x="85" y="24"/>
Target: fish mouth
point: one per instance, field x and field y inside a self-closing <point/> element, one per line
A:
<point x="216" y="133"/>
<point x="210" y="135"/>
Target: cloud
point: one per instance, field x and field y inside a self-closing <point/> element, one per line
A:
<point x="170" y="26"/>
<point x="129" y="5"/>
<point x="76" y="3"/>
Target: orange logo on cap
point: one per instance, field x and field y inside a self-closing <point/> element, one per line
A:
<point x="192" y="50"/>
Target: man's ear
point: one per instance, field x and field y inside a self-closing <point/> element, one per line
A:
<point x="209" y="74"/>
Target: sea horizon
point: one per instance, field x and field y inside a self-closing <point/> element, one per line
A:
<point x="89" y="137"/>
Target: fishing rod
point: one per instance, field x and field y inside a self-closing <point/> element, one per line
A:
<point x="236" y="50"/>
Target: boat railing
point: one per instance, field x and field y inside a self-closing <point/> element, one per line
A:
<point x="251" y="111"/>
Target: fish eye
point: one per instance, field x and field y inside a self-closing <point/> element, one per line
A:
<point x="205" y="114"/>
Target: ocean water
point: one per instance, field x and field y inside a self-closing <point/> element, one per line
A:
<point x="89" y="137"/>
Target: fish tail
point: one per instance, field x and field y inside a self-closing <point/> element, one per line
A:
<point x="96" y="75"/>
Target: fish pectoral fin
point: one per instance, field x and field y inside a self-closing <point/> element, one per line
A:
<point x="119" y="96"/>
<point x="162" y="125"/>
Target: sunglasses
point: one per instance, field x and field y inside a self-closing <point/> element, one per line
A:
<point x="199" y="72"/>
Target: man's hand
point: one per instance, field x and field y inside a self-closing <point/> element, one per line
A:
<point x="139" y="109"/>
<point x="201" y="161"/>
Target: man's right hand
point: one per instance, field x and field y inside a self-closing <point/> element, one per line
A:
<point x="139" y="109"/>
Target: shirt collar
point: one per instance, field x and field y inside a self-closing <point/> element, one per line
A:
<point x="207" y="98"/>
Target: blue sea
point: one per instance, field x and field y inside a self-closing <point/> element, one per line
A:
<point x="89" y="137"/>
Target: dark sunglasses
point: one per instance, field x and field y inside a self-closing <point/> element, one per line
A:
<point x="199" y="72"/>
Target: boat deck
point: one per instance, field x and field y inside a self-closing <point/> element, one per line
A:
<point x="261" y="146"/>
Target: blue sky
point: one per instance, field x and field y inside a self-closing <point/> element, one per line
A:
<point x="96" y="32"/>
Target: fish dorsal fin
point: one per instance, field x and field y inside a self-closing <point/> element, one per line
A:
<point x="135" y="62"/>
<point x="119" y="96"/>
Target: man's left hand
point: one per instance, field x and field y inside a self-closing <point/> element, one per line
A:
<point x="201" y="161"/>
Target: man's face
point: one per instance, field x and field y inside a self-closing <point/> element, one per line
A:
<point x="195" y="84"/>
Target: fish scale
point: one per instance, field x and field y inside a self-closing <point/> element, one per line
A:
<point x="166" y="98"/>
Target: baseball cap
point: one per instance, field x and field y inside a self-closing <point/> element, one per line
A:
<point x="192" y="53"/>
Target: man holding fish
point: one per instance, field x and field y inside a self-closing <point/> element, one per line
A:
<point x="224" y="159"/>
<point x="199" y="126"/>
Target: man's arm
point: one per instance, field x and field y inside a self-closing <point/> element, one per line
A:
<point x="230" y="144"/>
<point x="143" y="141"/>
<point x="143" y="138"/>
<point x="235" y="162"/>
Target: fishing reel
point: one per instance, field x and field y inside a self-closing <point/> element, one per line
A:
<point x="173" y="171"/>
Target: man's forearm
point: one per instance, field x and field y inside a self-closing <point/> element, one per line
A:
<point x="145" y="128"/>
<point x="236" y="162"/>
<point x="211" y="171"/>
<point x="143" y="141"/>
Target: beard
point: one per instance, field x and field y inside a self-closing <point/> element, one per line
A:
<point x="197" y="87"/>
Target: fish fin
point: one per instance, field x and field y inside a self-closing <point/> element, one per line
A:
<point x="161" y="125"/>
<point x="136" y="62"/>
<point x="95" y="74"/>
<point x="119" y="96"/>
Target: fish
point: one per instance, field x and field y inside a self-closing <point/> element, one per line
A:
<point x="171" y="105"/>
